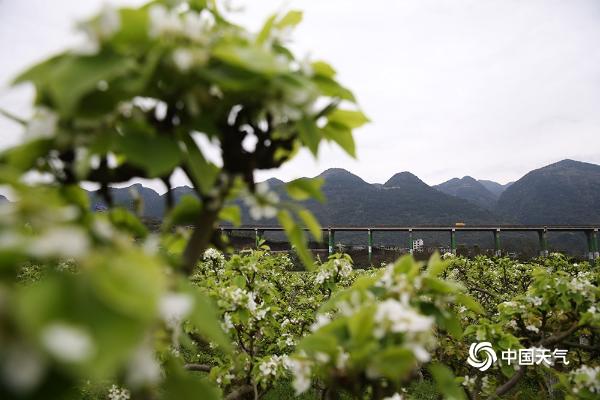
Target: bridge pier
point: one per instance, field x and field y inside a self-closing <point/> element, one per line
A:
<point x="497" y="250"/>
<point x="543" y="243"/>
<point x="592" y="242"/>
<point x="331" y="240"/>
<point x="370" y="245"/>
<point x="410" y="241"/>
<point x="258" y="236"/>
<point x="596" y="248"/>
<point x="453" y="241"/>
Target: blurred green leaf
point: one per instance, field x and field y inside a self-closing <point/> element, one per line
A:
<point x="446" y="382"/>
<point x="349" y="118"/>
<point x="393" y="362"/>
<point x="306" y="188"/>
<point x="309" y="134"/>
<point x="291" y="19"/>
<point x="185" y="212"/>
<point x="296" y="236"/>
<point x="342" y="135"/>
<point x="231" y="214"/>
<point x="311" y="223"/>
<point x="158" y="155"/>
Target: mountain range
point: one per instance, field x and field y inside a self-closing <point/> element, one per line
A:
<point x="566" y="192"/>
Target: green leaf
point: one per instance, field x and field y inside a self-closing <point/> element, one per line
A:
<point x="311" y="223"/>
<point x="265" y="32"/>
<point x="349" y="118"/>
<point x="133" y="34"/>
<point x="296" y="237"/>
<point x="361" y="325"/>
<point x="125" y="220"/>
<point x="470" y="303"/>
<point x="305" y="188"/>
<point x="70" y="77"/>
<point x="25" y="156"/>
<point x="231" y="214"/>
<point x="185" y="212"/>
<point x="435" y="265"/>
<point x="394" y="363"/>
<point x="204" y="173"/>
<point x="331" y="88"/>
<point x="292" y="18"/>
<point x="323" y="69"/>
<point x="181" y="384"/>
<point x="158" y="155"/>
<point x="309" y="134"/>
<point x="251" y="58"/>
<point x="342" y="135"/>
<point x="205" y="319"/>
<point x="129" y="283"/>
<point x="446" y="382"/>
<point x="319" y="342"/>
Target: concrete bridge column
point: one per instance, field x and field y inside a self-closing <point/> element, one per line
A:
<point x="370" y="245"/>
<point x="497" y="249"/>
<point x="453" y="241"/>
<point x="331" y="240"/>
<point x="543" y="243"/>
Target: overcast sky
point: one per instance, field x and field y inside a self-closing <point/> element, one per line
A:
<point x="487" y="88"/>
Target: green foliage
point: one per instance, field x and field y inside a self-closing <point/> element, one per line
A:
<point x="93" y="302"/>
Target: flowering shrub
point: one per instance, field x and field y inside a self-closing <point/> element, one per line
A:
<point x="374" y="336"/>
<point x="546" y="304"/>
<point x="265" y="309"/>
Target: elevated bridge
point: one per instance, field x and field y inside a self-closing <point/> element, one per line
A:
<point x="591" y="233"/>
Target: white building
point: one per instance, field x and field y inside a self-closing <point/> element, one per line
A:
<point x="418" y="245"/>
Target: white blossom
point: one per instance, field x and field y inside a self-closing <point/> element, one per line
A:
<point x="67" y="242"/>
<point x="109" y="21"/>
<point x="164" y="21"/>
<point x="143" y="368"/>
<point x="395" y="396"/>
<point x="67" y="343"/>
<point x="174" y="307"/>
<point x="421" y="354"/>
<point x="183" y="59"/>
<point x="117" y="393"/>
<point x="301" y="370"/>
<point x="22" y="369"/>
<point x="227" y="323"/>
<point x="42" y="125"/>
<point x="397" y="317"/>
<point x="322" y="320"/>
<point x="261" y="204"/>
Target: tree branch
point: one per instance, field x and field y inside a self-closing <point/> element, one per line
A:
<point x="512" y="382"/>
<point x="198" y="367"/>
<point x="239" y="392"/>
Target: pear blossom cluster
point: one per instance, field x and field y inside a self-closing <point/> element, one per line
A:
<point x="262" y="203"/>
<point x="335" y="270"/>
<point x="117" y="393"/>
<point x="585" y="379"/>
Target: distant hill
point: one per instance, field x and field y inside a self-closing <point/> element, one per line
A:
<point x="153" y="203"/>
<point x="567" y="192"/>
<point x="494" y="187"/>
<point x="403" y="200"/>
<point x="469" y="189"/>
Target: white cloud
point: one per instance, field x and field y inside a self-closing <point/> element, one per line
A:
<point x="489" y="88"/>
